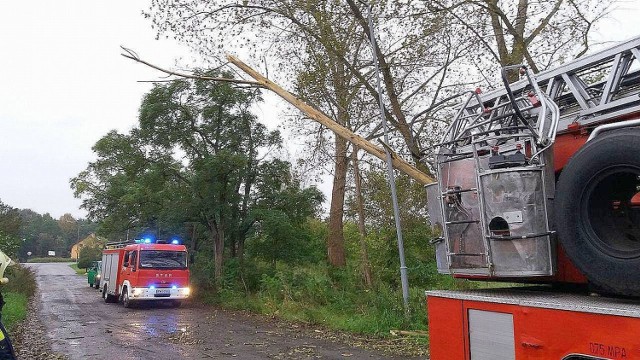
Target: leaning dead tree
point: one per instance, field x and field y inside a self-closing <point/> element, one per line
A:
<point x="341" y="131"/>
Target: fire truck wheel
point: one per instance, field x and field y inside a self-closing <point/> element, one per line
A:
<point x="108" y="298"/>
<point x="598" y="211"/>
<point x="126" y="302"/>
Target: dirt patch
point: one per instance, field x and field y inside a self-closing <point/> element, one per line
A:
<point x="30" y="340"/>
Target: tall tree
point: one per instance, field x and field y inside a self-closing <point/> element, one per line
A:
<point x="325" y="47"/>
<point x="327" y="83"/>
<point x="10" y="223"/>
<point x="539" y="33"/>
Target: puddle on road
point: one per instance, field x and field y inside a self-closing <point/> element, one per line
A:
<point x="166" y="327"/>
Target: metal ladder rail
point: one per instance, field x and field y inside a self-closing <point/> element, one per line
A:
<point x="493" y="116"/>
<point x="513" y="107"/>
<point x="563" y="83"/>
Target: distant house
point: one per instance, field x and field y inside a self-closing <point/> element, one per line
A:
<point x="91" y="240"/>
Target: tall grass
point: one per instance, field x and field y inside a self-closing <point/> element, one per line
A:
<point x="315" y="294"/>
<point x="14" y="310"/>
<point x="21" y="286"/>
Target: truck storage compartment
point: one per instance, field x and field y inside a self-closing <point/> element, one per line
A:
<point x="516" y="221"/>
<point x="531" y="323"/>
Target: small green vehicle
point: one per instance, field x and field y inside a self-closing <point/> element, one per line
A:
<point x="93" y="274"/>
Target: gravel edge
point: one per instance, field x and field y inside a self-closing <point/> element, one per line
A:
<point x="29" y="337"/>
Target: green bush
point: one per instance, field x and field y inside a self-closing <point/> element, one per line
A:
<point x="22" y="280"/>
<point x="78" y="271"/>
<point x="87" y="255"/>
<point x="202" y="271"/>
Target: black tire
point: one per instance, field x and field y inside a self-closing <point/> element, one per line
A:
<point x="598" y="225"/>
<point x="126" y="302"/>
<point x="107" y="297"/>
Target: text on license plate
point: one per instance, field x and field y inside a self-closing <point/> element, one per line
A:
<point x="163" y="291"/>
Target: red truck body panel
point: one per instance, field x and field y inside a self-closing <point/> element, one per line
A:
<point x="543" y="325"/>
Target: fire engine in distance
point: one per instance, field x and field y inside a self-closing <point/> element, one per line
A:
<point x="145" y="270"/>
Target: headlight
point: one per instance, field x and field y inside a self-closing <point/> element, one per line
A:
<point x="186" y="291"/>
<point x="137" y="292"/>
<point x="98" y="276"/>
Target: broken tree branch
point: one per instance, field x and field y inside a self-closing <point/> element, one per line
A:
<point x="130" y="54"/>
<point x="338" y="129"/>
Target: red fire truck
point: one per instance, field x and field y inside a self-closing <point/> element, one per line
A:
<point x="144" y="270"/>
<point x="540" y="182"/>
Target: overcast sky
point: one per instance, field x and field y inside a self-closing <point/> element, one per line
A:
<point x="63" y="85"/>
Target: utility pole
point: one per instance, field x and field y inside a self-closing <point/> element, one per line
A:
<point x="391" y="176"/>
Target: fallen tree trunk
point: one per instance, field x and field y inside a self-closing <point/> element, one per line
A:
<point x="338" y="129"/>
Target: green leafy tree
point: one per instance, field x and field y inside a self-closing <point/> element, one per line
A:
<point x="10" y="223"/>
<point x="87" y="255"/>
<point x="324" y="47"/>
<point x="281" y="212"/>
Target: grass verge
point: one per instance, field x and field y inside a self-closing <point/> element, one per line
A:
<point x="15" y="309"/>
<point x="78" y="271"/>
<point x="49" y="260"/>
<point x="21" y="286"/>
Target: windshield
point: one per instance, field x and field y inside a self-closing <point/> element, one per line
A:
<point x="159" y="259"/>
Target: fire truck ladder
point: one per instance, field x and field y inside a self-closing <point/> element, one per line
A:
<point x="498" y="148"/>
<point x="590" y="90"/>
<point x="117" y="244"/>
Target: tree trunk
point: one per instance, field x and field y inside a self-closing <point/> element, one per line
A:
<point x="217" y="234"/>
<point x="366" y="266"/>
<point x="192" y="245"/>
<point x="335" y="245"/>
<point x="335" y="242"/>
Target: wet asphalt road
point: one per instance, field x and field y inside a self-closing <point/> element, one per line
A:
<point x="82" y="326"/>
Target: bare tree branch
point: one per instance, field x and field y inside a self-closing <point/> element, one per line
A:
<point x="130" y="54"/>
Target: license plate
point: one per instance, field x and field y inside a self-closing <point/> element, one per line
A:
<point x="163" y="291"/>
